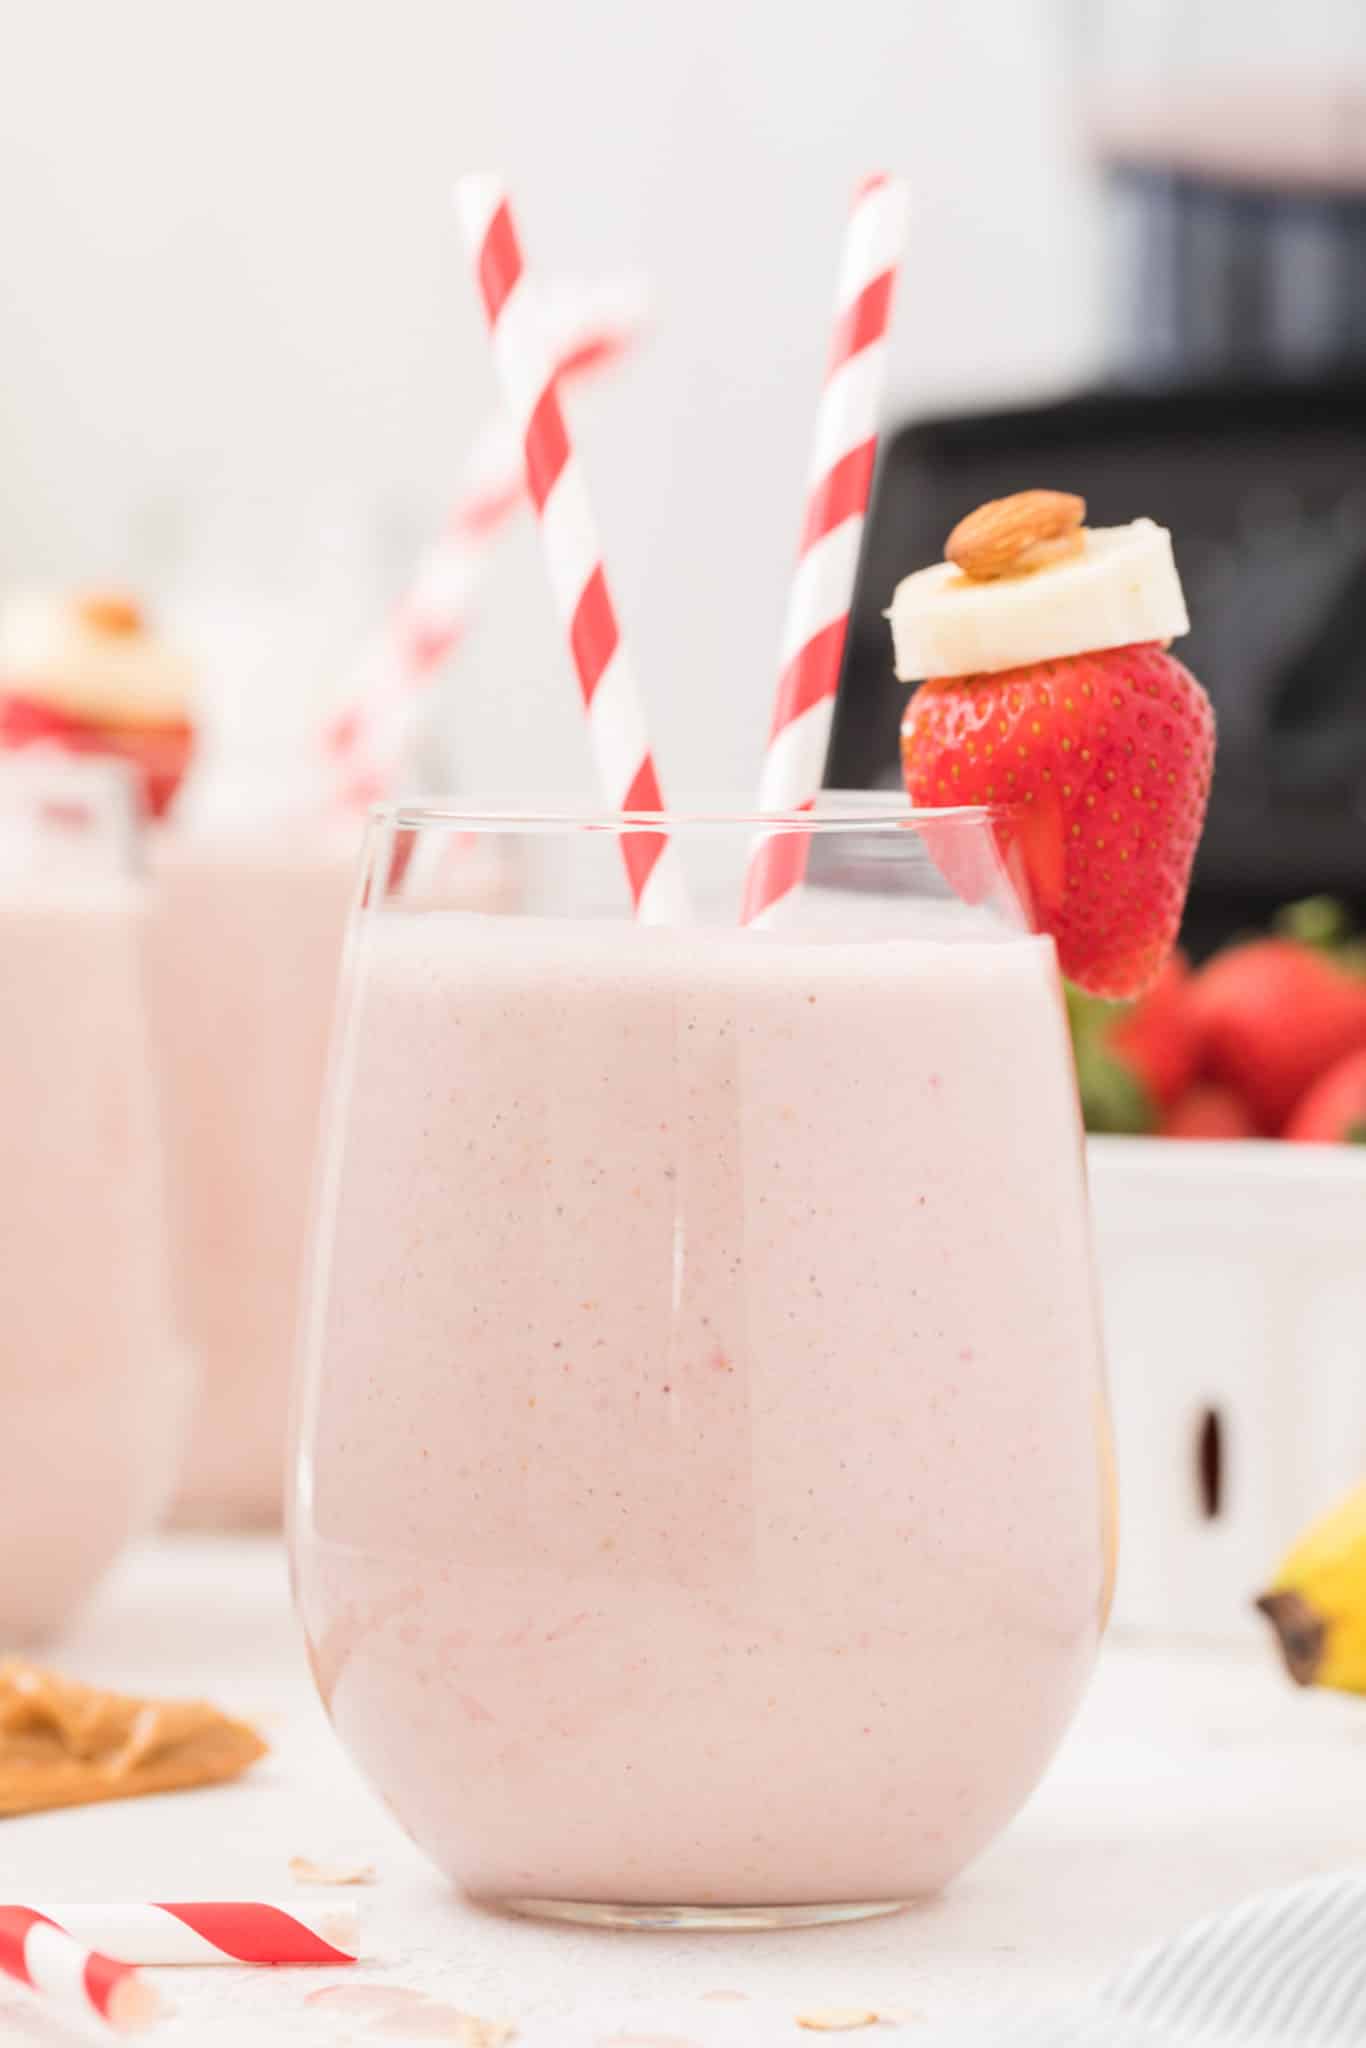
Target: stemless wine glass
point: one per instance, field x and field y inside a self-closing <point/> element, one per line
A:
<point x="246" y="934"/>
<point x="701" y="1512"/>
<point x="92" y="1389"/>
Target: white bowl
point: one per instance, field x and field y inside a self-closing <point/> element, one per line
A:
<point x="1233" y="1277"/>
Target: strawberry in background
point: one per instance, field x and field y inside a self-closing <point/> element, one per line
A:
<point x="1219" y="1053"/>
<point x="1135" y="1060"/>
<point x="1333" y="1112"/>
<point x="1274" y="1015"/>
<point x="1206" y="1110"/>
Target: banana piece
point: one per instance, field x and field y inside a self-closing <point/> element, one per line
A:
<point x="1118" y="587"/>
<point x="1317" y="1601"/>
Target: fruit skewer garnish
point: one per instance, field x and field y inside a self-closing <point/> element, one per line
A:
<point x="91" y="675"/>
<point x="1046" y="693"/>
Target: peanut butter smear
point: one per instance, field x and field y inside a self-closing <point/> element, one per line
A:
<point x="67" y="1744"/>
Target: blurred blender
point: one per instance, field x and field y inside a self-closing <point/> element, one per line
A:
<point x="1232" y="134"/>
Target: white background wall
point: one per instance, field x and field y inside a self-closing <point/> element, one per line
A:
<point x="231" y="295"/>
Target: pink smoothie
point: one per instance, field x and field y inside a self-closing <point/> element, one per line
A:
<point x="91" y="1389"/>
<point x="246" y="941"/>
<point x="700" y="1496"/>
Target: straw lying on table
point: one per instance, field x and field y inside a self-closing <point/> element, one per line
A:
<point x="214" y="1930"/>
<point x="80" y="1983"/>
<point x="367" y="740"/>
<point x="61" y="1953"/>
<point x="822" y="591"/>
<point x="578" y="578"/>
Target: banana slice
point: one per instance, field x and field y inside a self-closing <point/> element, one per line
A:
<point x="1120" y="587"/>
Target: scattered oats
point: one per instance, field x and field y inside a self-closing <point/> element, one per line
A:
<point x="305" y="1871"/>
<point x="644" y="2041"/>
<point x="363" y="1998"/>
<point x="446" y="2023"/>
<point x="837" y="2019"/>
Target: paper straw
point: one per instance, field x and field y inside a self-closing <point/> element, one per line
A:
<point x="839" y="481"/>
<point x="569" y="537"/>
<point x="213" y="1930"/>
<point x="591" y="329"/>
<point x="81" y="1984"/>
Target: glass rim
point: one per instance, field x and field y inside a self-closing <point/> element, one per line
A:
<point x="842" y="811"/>
<point x="40" y="764"/>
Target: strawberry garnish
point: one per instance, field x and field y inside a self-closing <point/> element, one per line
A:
<point x="1051" y="701"/>
<point x="1098" y="766"/>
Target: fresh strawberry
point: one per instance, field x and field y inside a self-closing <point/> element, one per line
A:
<point x="1333" y="1112"/>
<point x="1100" y="767"/>
<point x="1273" y="1016"/>
<point x="1208" y="1110"/>
<point x="1133" y="1059"/>
<point x="1159" y="1037"/>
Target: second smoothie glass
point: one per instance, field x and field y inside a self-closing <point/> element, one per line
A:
<point x="93" y="1382"/>
<point x="701" y="1511"/>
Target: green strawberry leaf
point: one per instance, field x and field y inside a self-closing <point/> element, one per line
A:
<point x="1091" y="1017"/>
<point x="1355" y="1134"/>
<point x="1115" y="1102"/>
<point x="1113" y="1099"/>
<point x="1315" y="921"/>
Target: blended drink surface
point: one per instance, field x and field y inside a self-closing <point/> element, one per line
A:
<point x="90" y="1382"/>
<point x="701" y="1496"/>
<point x="246" y="937"/>
<point x="246" y="940"/>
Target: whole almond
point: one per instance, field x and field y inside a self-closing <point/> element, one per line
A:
<point x="1011" y="536"/>
<point x="110" y="611"/>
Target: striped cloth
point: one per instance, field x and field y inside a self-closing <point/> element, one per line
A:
<point x="1286" y="1970"/>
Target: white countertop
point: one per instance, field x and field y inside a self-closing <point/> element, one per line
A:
<point x="1192" y="1778"/>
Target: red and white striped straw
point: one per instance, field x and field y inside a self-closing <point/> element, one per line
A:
<point x="839" y="482"/>
<point x="213" y="1930"/>
<point x="591" y="329"/>
<point x="80" y="1983"/>
<point x="569" y="536"/>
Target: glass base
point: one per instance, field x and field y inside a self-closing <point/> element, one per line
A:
<point x="701" y="1919"/>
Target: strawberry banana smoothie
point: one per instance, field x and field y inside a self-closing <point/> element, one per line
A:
<point x="245" y="945"/>
<point x="701" y="1498"/>
<point x="90" y="1387"/>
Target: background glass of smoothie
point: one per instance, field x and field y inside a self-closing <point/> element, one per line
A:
<point x="246" y="936"/>
<point x="92" y="1386"/>
<point x="702" y="1509"/>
